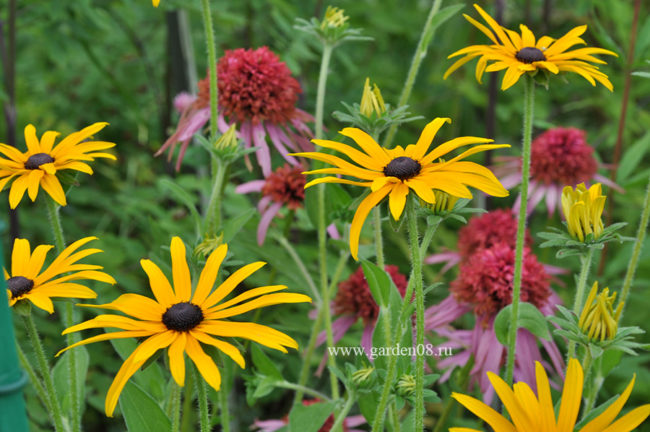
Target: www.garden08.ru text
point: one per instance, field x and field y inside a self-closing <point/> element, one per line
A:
<point x="397" y="350"/>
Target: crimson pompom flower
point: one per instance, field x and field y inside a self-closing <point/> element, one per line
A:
<point x="354" y="301"/>
<point x="559" y="157"/>
<point x="283" y="187"/>
<point x="487" y="230"/>
<point x="259" y="95"/>
<point x="485" y="280"/>
<point x="484" y="287"/>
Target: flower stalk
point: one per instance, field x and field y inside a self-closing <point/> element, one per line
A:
<point x="46" y="373"/>
<point x="416" y="266"/>
<point x="68" y="316"/>
<point x="636" y="252"/>
<point x="212" y="62"/>
<point x="175" y="406"/>
<point x="420" y="53"/>
<point x="202" y="396"/>
<point x="529" y="105"/>
<point x="585" y="261"/>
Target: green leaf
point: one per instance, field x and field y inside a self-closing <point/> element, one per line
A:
<point x="184" y="197"/>
<point x="263" y="364"/>
<point x="141" y="412"/>
<point x="379" y="282"/>
<point x="368" y="402"/>
<point x="310" y="418"/>
<point x="61" y="376"/>
<point x="530" y="318"/>
<point x="235" y="224"/>
<point x="440" y="18"/>
<point x="632" y="157"/>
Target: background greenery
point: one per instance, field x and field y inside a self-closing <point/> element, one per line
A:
<point x="84" y="61"/>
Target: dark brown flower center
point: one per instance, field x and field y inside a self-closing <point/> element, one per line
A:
<point x="529" y="55"/>
<point x="38" y="159"/>
<point x="19" y="286"/>
<point x="403" y="168"/>
<point x="182" y="317"/>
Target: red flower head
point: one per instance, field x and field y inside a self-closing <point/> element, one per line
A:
<point x="354" y="295"/>
<point x="253" y="85"/>
<point x="562" y="156"/>
<point x="286" y="185"/>
<point x="485" y="280"/>
<point x="482" y="232"/>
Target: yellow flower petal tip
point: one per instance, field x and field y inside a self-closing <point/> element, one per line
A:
<point x="183" y="320"/>
<point x="530" y="412"/>
<point x="37" y="167"/>
<point x="397" y="172"/>
<point x="30" y="280"/>
<point x="520" y="53"/>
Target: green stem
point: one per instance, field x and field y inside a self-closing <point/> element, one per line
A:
<point x="176" y="406"/>
<point x="68" y="317"/>
<point x="590" y="383"/>
<point x="41" y="358"/>
<point x="578" y="302"/>
<point x="188" y="421"/>
<point x="420" y="53"/>
<point x="322" y="223"/>
<point x="202" y="395"/>
<point x="394" y="415"/>
<point x="340" y="418"/>
<point x="301" y="266"/>
<point x="416" y="265"/>
<point x="379" y="243"/>
<point x="311" y="347"/>
<point x="213" y="214"/>
<point x="302" y="388"/>
<point x="529" y="105"/>
<point x="36" y="382"/>
<point x="313" y="337"/>
<point x="378" y="422"/>
<point x="224" y="407"/>
<point x="212" y="66"/>
<point x="636" y="252"/>
<point x="322" y="83"/>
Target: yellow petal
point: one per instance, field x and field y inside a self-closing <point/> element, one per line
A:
<point x="20" y="256"/>
<point x="18" y="188"/>
<point x="137" y="306"/>
<point x="484" y="412"/>
<point x="547" y="413"/>
<point x="571" y="396"/>
<point x="231" y="283"/>
<point x="507" y="396"/>
<point x="180" y="271"/>
<point x="361" y="214"/>
<point x="630" y="420"/>
<point x="204" y="364"/>
<point x="260" y="302"/>
<point x="209" y="274"/>
<point x="357" y="156"/>
<point x="368" y="144"/>
<point x="52" y="186"/>
<point x="177" y="359"/>
<point x="229" y="349"/>
<point x="426" y="137"/>
<point x="397" y="199"/>
<point x="261" y="334"/>
<point x="606" y="417"/>
<point x="137" y="358"/>
<point x="248" y="295"/>
<point x="159" y="284"/>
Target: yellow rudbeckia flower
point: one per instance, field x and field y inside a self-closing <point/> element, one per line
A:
<point x="583" y="209"/>
<point x="396" y="172"/>
<point x="37" y="167"/>
<point x="28" y="280"/>
<point x="530" y="412"/>
<point x="181" y="320"/>
<point x="521" y="53"/>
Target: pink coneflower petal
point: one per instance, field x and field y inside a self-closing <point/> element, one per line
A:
<point x="263" y="204"/>
<point x="511" y="180"/>
<point x="536" y="197"/>
<point x="265" y="221"/>
<point x="354" y="421"/>
<point x="366" y="338"/>
<point x="444" y="313"/>
<point x="553" y="192"/>
<point x="526" y="354"/>
<point x="183" y="101"/>
<point x="340" y="326"/>
<point x="279" y="146"/>
<point x="269" y="425"/>
<point x="194" y="124"/>
<point x="263" y="153"/>
<point x="251" y="186"/>
<point x="607" y="182"/>
<point x="333" y="231"/>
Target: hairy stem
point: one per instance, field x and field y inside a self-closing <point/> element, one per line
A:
<point x="46" y="373"/>
<point x="529" y="105"/>
<point x="578" y="302"/>
<point x="212" y="66"/>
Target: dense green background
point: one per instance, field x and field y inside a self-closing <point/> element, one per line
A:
<point x="84" y="61"/>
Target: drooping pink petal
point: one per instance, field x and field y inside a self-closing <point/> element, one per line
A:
<point x="251" y="186"/>
<point x="265" y="221"/>
<point x="366" y="338"/>
<point x="183" y="100"/>
<point x="263" y="153"/>
<point x="194" y="124"/>
<point x="553" y="192"/>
